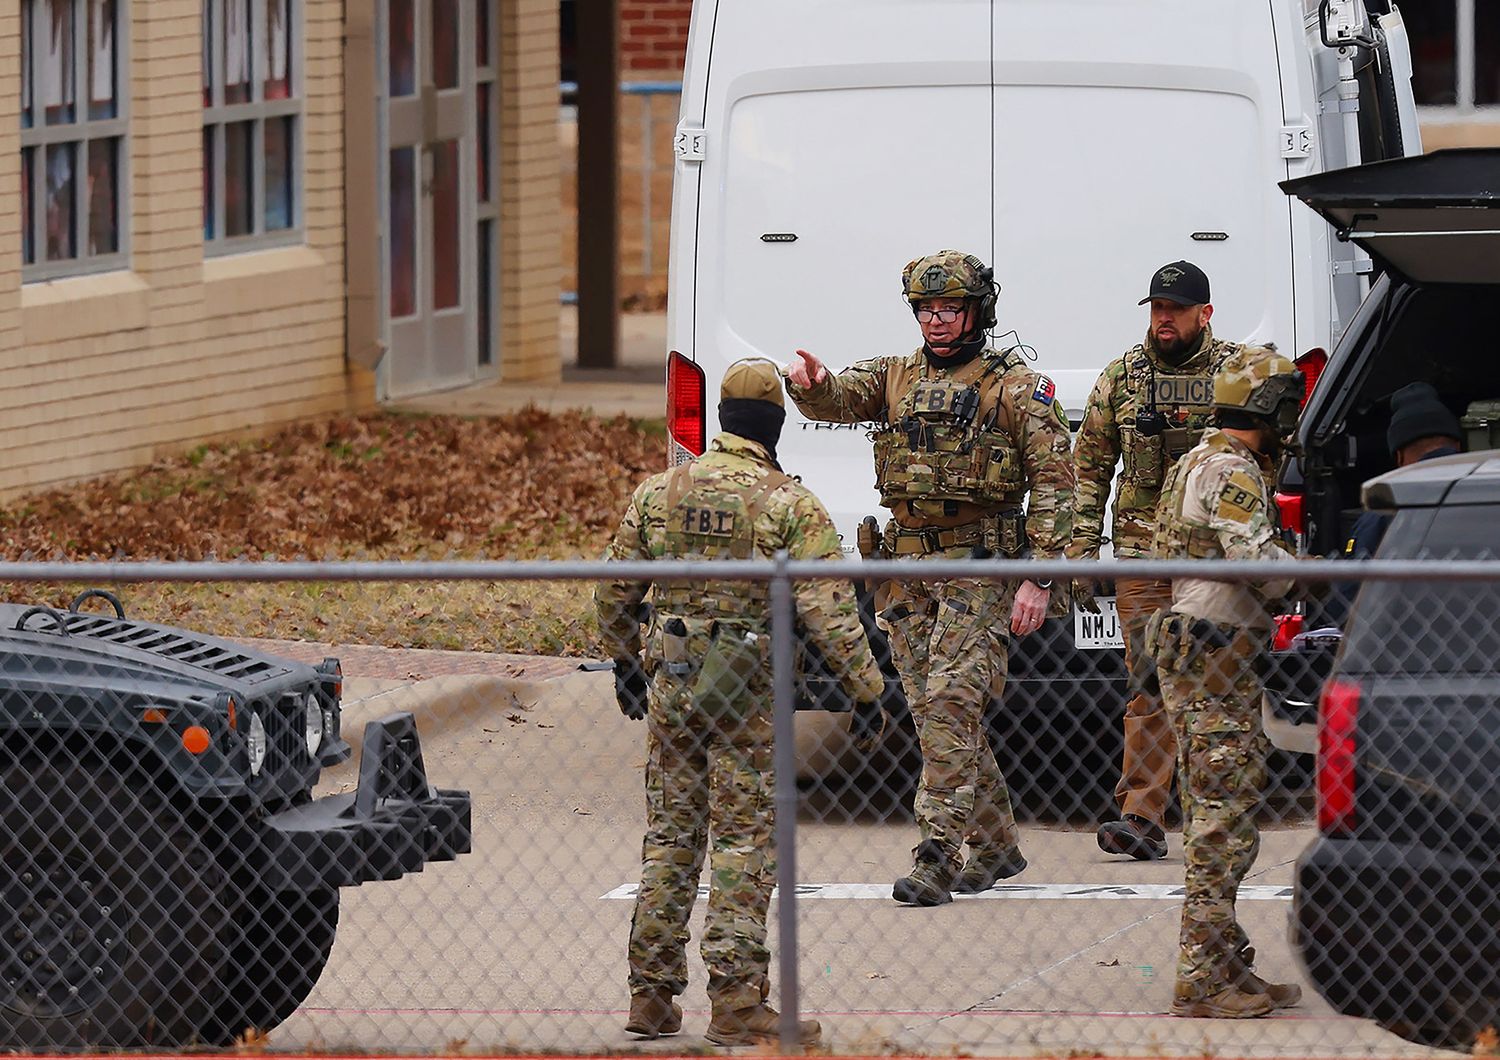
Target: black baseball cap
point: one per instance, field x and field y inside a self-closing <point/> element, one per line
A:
<point x="1181" y="282"/>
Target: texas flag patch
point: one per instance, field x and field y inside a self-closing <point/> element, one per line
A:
<point x="1045" y="391"/>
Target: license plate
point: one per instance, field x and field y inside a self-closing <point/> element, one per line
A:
<point x="1098" y="631"/>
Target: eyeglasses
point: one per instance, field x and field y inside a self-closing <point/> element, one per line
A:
<point x="944" y="316"/>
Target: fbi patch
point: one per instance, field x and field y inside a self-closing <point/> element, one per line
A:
<point x="1240" y="498"/>
<point x="1045" y="390"/>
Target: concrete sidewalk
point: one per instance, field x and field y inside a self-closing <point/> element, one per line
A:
<point x="635" y="389"/>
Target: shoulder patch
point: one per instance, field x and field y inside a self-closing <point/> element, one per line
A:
<point x="1240" y="498"/>
<point x="1045" y="390"/>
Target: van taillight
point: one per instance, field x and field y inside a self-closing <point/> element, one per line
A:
<point x="1311" y="365"/>
<point x="686" y="414"/>
<point x="1337" y="715"/>
<point x="1292" y="508"/>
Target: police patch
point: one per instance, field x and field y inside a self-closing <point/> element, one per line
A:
<point x="1045" y="390"/>
<point x="1240" y="498"/>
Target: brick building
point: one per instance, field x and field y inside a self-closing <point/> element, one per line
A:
<point x="653" y="37"/>
<point x="240" y="213"/>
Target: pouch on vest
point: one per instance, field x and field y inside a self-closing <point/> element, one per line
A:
<point x="1005" y="533"/>
<point x="734" y="657"/>
<point x="1142" y="458"/>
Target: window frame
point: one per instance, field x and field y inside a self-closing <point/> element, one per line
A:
<point x="218" y="115"/>
<point x="1465" y="73"/>
<point x="81" y="132"/>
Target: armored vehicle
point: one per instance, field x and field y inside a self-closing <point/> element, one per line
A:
<point x="166" y="876"/>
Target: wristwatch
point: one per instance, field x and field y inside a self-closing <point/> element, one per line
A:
<point x="1047" y="584"/>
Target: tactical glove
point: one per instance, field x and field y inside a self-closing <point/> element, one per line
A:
<point x="866" y="726"/>
<point x="1083" y="595"/>
<point x="631" y="688"/>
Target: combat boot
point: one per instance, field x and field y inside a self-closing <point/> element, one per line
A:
<point x="654" y="1013"/>
<point x="1135" y="837"/>
<point x="756" y="1025"/>
<point x="983" y="870"/>
<point x="930" y="881"/>
<point x="1230" y="1003"/>
<point x="1242" y="974"/>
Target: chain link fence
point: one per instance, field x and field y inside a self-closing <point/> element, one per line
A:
<point x="324" y="844"/>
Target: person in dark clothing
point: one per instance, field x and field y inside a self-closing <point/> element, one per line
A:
<point x="1421" y="428"/>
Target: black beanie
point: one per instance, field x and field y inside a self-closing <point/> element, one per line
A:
<point x="1417" y="412"/>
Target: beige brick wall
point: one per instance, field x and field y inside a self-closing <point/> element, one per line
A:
<point x="111" y="371"/>
<point x="1438" y="133"/>
<point x="530" y="266"/>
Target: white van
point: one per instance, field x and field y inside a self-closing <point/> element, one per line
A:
<point x="1075" y="145"/>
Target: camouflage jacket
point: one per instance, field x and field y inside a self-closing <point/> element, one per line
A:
<point x="732" y="484"/>
<point x="1183" y="394"/>
<point x="1216" y="504"/>
<point x="1014" y="441"/>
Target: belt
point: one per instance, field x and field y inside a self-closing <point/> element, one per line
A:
<point x="902" y="541"/>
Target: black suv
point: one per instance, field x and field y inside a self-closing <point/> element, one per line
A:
<point x="1397" y="906"/>
<point x="1431" y="227"/>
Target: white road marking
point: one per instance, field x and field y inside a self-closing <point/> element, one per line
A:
<point x="1152" y="892"/>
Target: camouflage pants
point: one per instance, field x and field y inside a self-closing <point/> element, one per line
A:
<point x="1213" y="698"/>
<point x="709" y="790"/>
<point x="950" y="643"/>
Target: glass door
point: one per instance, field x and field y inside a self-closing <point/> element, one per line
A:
<point x="439" y="210"/>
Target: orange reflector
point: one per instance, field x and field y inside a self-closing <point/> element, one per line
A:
<point x="231" y="713"/>
<point x="151" y="714"/>
<point x="195" y="739"/>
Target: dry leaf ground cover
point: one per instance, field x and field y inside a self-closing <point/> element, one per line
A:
<point x="383" y="486"/>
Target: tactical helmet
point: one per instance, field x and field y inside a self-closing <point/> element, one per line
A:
<point x="952" y="274"/>
<point x="754" y="379"/>
<point x="1260" y="381"/>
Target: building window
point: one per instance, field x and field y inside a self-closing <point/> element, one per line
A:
<point x="252" y="124"/>
<point x="73" y="157"/>
<point x="1455" y="51"/>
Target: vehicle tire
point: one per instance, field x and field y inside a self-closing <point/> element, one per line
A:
<point x="281" y="945"/>
<point x="109" y="909"/>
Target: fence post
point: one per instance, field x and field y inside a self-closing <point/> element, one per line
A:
<point x="785" y="761"/>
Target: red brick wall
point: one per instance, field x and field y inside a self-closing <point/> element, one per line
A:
<point x="653" y="38"/>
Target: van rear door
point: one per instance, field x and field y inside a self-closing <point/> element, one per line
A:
<point x="843" y="138"/>
<point x="1144" y="132"/>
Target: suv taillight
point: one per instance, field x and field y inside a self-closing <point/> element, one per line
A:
<point x="1337" y="714"/>
<point x="1292" y="507"/>
<point x="686" y="414"/>
<point x="1287" y="628"/>
<point x="1311" y="365"/>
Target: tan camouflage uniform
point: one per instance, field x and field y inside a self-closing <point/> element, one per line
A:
<point x="1216" y="503"/>
<point x="1182" y="393"/>
<point x="709" y="780"/>
<point x="949" y="488"/>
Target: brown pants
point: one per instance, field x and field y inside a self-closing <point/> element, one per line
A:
<point x="1150" y="744"/>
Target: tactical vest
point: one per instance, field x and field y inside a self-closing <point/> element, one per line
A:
<point x="1184" y="402"/>
<point x="948" y="436"/>
<point x="714" y="519"/>
<point x="1174" y="539"/>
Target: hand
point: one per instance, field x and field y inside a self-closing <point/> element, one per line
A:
<point x="631" y="688"/>
<point x="1083" y="595"/>
<point x="1030" y="608"/>
<point x="866" y="726"/>
<point x="807" y="372"/>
